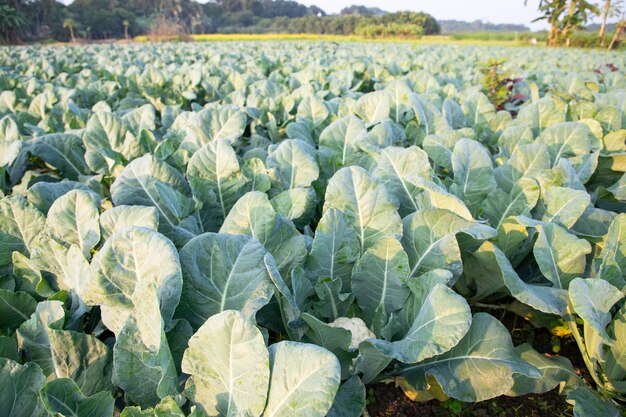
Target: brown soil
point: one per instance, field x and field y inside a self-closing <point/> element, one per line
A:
<point x="388" y="401"/>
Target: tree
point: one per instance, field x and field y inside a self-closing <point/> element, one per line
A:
<point x="69" y="25"/>
<point x="565" y="16"/>
<point x="612" y="8"/>
<point x="11" y="21"/>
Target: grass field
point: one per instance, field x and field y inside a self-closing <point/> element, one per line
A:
<point x="426" y="40"/>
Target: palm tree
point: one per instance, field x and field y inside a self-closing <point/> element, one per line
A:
<point x="605" y="15"/>
<point x="69" y="24"/>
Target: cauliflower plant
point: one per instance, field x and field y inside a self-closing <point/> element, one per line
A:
<point x="357" y="328"/>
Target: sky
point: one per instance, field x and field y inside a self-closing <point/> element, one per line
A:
<point x="494" y="11"/>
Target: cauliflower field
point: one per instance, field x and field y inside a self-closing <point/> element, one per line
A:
<point x="261" y="229"/>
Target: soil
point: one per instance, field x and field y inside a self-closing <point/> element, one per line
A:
<point x="389" y="401"/>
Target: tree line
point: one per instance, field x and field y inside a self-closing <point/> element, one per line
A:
<point x="28" y="20"/>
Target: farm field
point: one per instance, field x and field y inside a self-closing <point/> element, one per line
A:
<point x="309" y="228"/>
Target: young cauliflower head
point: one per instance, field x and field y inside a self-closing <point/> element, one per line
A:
<point x="357" y="327"/>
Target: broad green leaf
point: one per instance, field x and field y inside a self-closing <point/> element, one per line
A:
<point x="526" y="161"/>
<point x="222" y="272"/>
<point x="335" y="248"/>
<point x="63" y="152"/>
<point x="373" y="107"/>
<point x="213" y="172"/>
<point x="296" y="204"/>
<point x="146" y="373"/>
<point x="73" y="220"/>
<point x="378" y="279"/>
<point x="615" y="366"/>
<point x="292" y="164"/>
<point x="481" y="366"/>
<point x="15" y="309"/>
<point x="20" y="226"/>
<point x="229" y="366"/>
<point x="43" y="194"/>
<point x="350" y="399"/>
<point x="396" y="168"/>
<point x="592" y="300"/>
<point x="522" y="198"/>
<point x="166" y="408"/>
<point x="210" y="124"/>
<point x="489" y="271"/>
<point x="365" y="204"/>
<point x="560" y="255"/>
<point x="473" y="172"/>
<point x="129" y="261"/>
<point x="254" y="215"/>
<point x="304" y="378"/>
<point x="569" y="139"/>
<point x="20" y="385"/>
<point x="121" y="217"/>
<point x="82" y="358"/>
<point x="314" y="110"/>
<point x="555" y="371"/>
<point x="443" y="319"/>
<point x="338" y="144"/>
<point x="149" y="182"/>
<point x="33" y="335"/>
<point x="62" y="396"/>
<point x="430" y="240"/>
<point x="587" y="404"/>
<point x="564" y="206"/>
<point x="611" y="264"/>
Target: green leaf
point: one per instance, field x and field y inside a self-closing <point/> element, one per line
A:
<point x="396" y="168"/>
<point x="222" y="272"/>
<point x="302" y="376"/>
<point x="64" y="397"/>
<point x="350" y="399"/>
<point x="129" y="261"/>
<point x="15" y="309"/>
<point x="229" y="366"/>
<point x="615" y="366"/>
<point x="19" y="393"/>
<point x="254" y="215"/>
<point x="335" y="248"/>
<point x="373" y="107"/>
<point x="481" y="366"/>
<point x="33" y="335"/>
<point x="555" y="371"/>
<point x="559" y="254"/>
<point x="20" y="226"/>
<point x="473" y="172"/>
<point x="592" y="300"/>
<point x="62" y="151"/>
<point x="566" y="140"/>
<point x="365" y="204"/>
<point x="430" y="240"/>
<point x="587" y="404"/>
<point x="82" y="358"/>
<point x="121" y="217"/>
<point x="522" y="198"/>
<point x="149" y="182"/>
<point x="565" y="205"/>
<point x="214" y="172"/>
<point x="73" y="220"/>
<point x="378" y="279"/>
<point x="443" y="319"/>
<point x="292" y="164"/>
